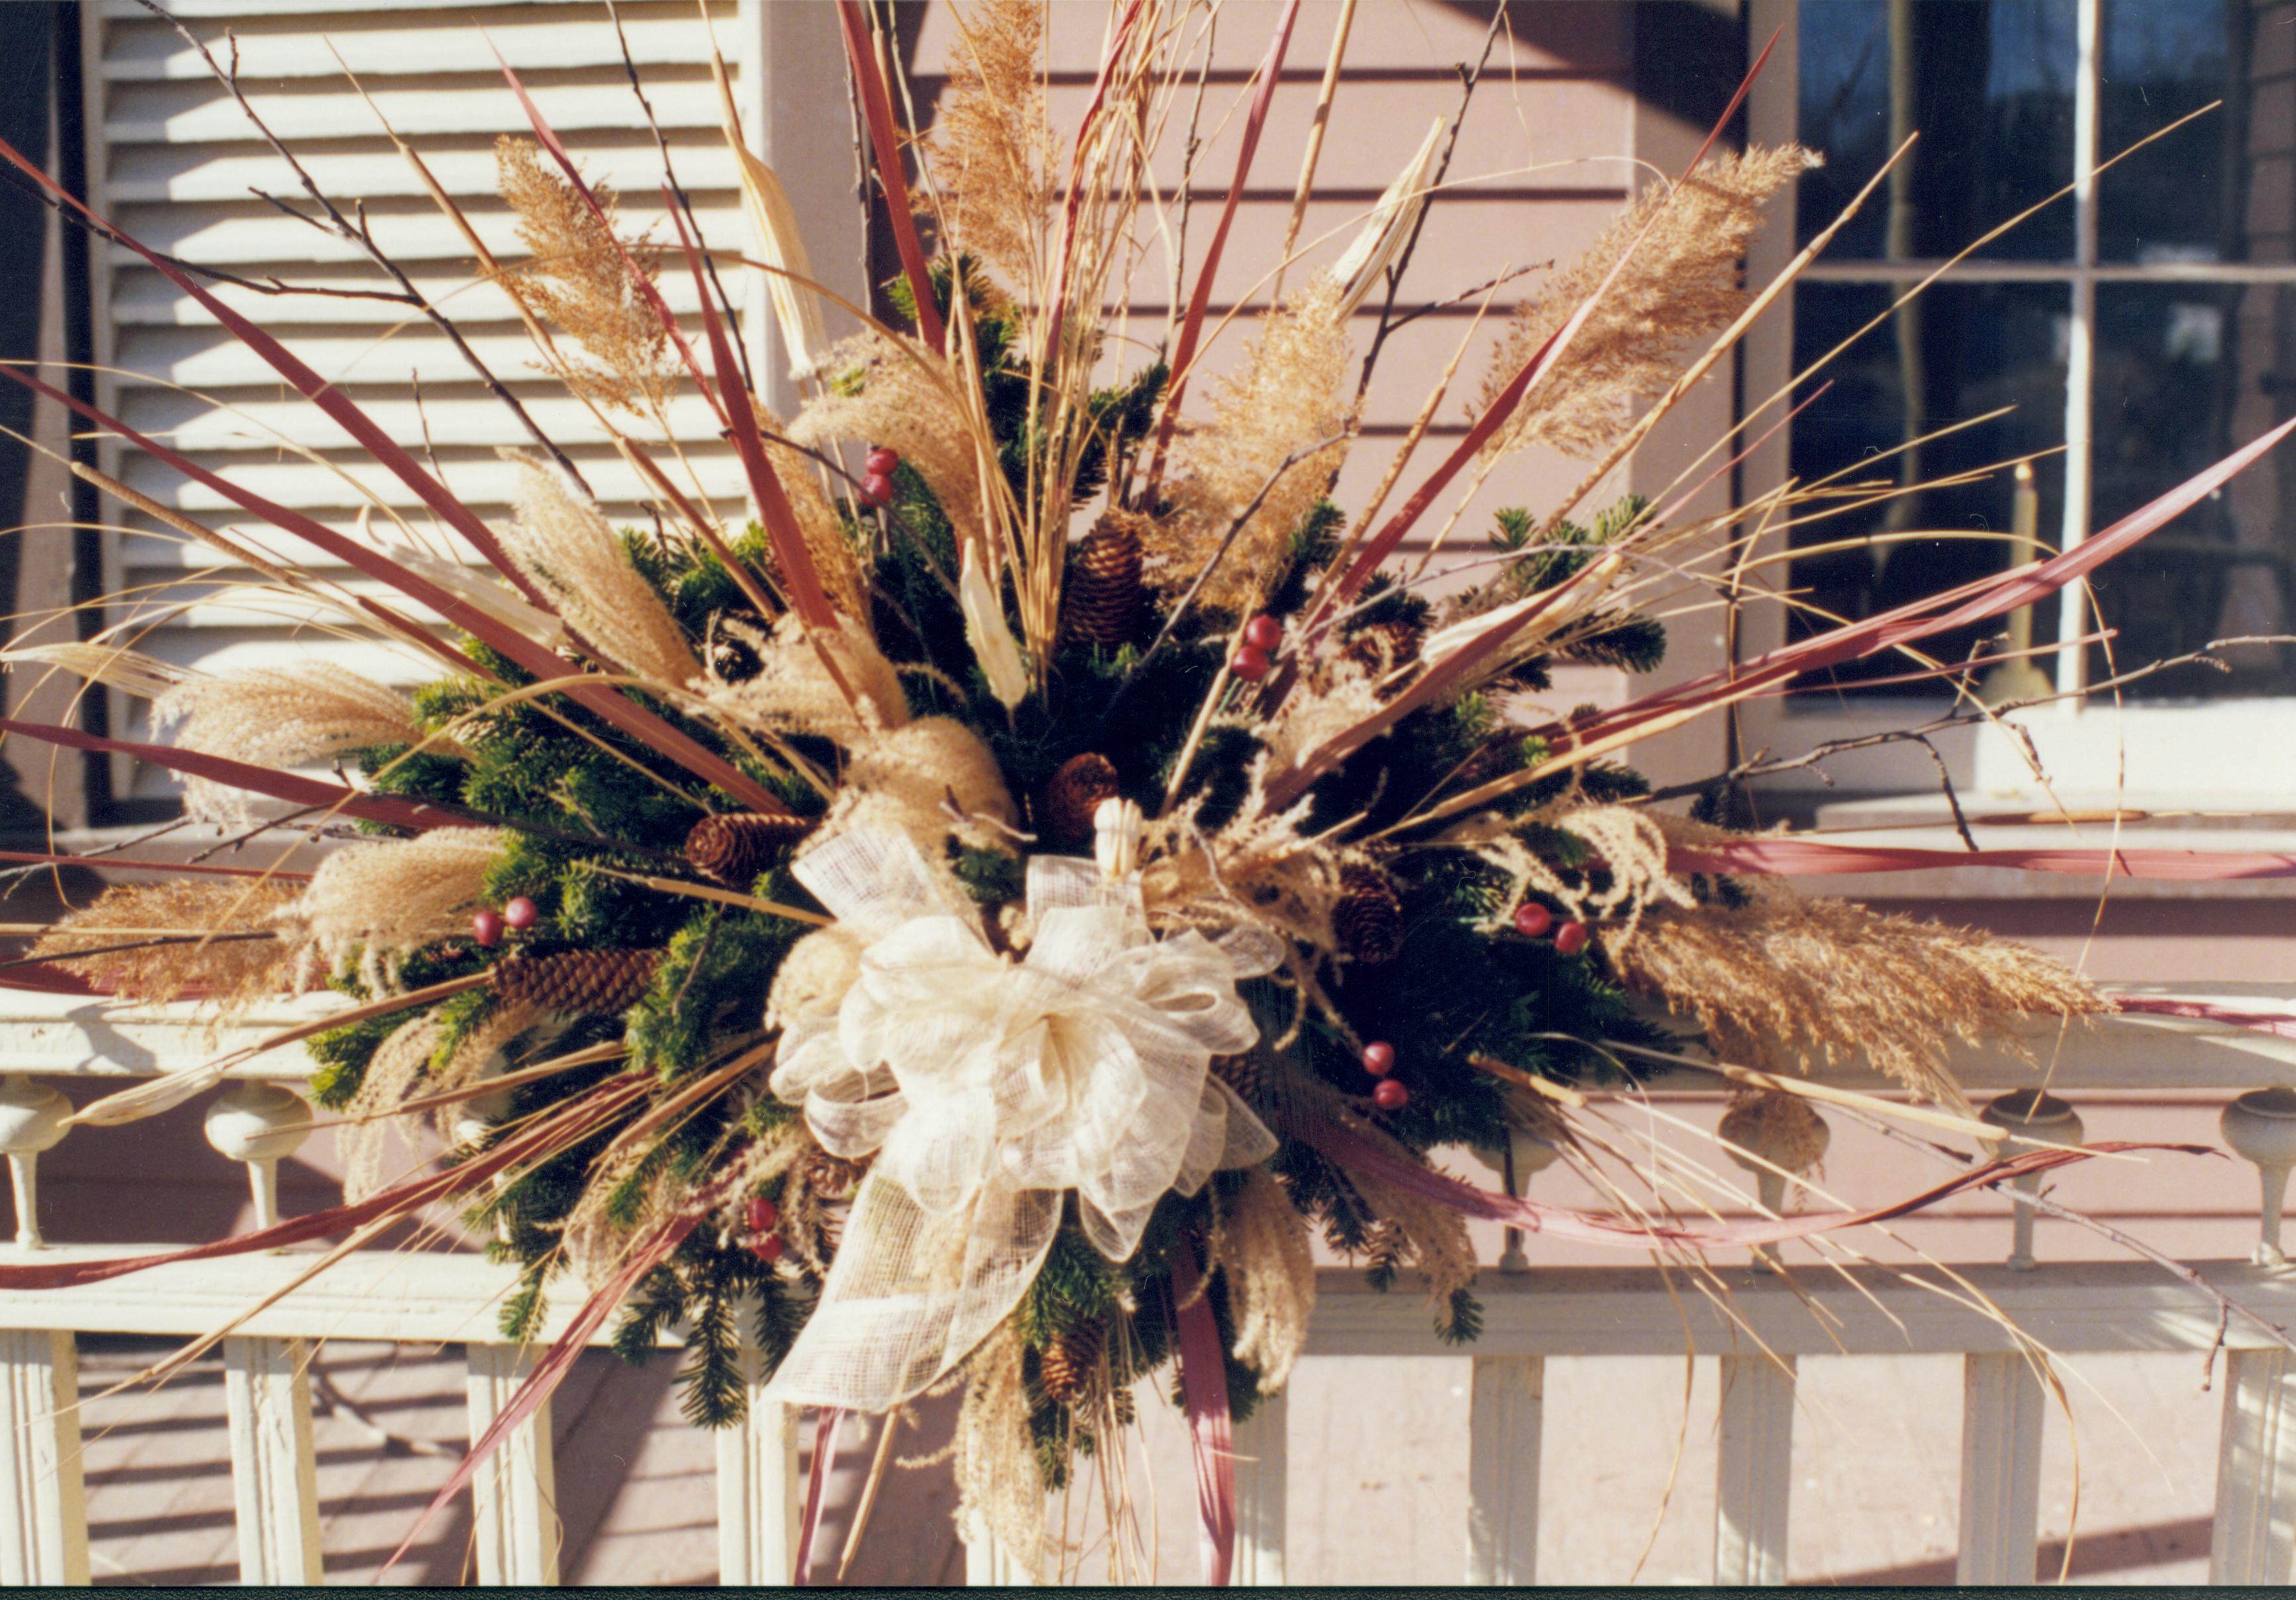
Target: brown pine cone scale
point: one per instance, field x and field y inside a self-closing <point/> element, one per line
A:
<point x="1102" y="605"/>
<point x="736" y="847"/>
<point x="1369" y="916"/>
<point x="1073" y="794"/>
<point x="576" y="983"/>
<point x="1071" y="1364"/>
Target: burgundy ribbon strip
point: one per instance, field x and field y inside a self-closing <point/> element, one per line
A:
<point x="1211" y="1425"/>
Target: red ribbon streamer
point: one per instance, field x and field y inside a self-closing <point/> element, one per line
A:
<point x="2262" y="1022"/>
<point x="1810" y="858"/>
<point x="1203" y="1391"/>
<point x="816" y="1482"/>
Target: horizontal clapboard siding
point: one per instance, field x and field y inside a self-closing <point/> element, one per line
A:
<point x="174" y="160"/>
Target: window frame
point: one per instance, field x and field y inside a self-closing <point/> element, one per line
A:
<point x="2171" y="752"/>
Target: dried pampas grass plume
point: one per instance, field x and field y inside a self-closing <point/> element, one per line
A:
<point x="384" y="899"/>
<point x="1291" y="394"/>
<point x="559" y="539"/>
<point x="1263" y="1249"/>
<point x="904" y="397"/>
<point x="835" y="561"/>
<point x="238" y="968"/>
<point x="363" y="1135"/>
<point x="999" y="1489"/>
<point x="281" y="717"/>
<point x="582" y="284"/>
<point x="1783" y="979"/>
<point x="992" y="151"/>
<point x="1681" y="287"/>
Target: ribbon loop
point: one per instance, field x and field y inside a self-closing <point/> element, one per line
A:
<point x="986" y="1088"/>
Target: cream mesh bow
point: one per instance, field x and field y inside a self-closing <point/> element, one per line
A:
<point x="985" y="1089"/>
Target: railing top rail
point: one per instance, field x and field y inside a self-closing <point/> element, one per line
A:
<point x="65" y="1035"/>
<point x="2069" y="1306"/>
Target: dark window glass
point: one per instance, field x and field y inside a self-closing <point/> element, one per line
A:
<point x="1988" y="84"/>
<point x="2185" y="373"/>
<point x="1957" y="353"/>
<point x="2217" y="189"/>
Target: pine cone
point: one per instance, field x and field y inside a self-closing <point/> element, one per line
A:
<point x="577" y="983"/>
<point x="736" y="847"/>
<point x="1382" y="647"/>
<point x="1073" y="794"/>
<point x="1369" y="916"/>
<point x="1101" y="606"/>
<point x="1071" y="1364"/>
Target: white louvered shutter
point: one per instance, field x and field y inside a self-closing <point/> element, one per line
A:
<point x="173" y="160"/>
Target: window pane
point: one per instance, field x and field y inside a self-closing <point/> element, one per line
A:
<point x="2185" y="373"/>
<point x="1963" y="350"/>
<point x="1988" y="84"/>
<point x="2193" y="196"/>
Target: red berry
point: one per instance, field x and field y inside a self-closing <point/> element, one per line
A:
<point x="1571" y="938"/>
<point x="1263" y="632"/>
<point x="486" y="928"/>
<point x="876" y="489"/>
<point x="882" y="460"/>
<point x="761" y="1214"/>
<point x="1390" y="1096"/>
<point x="1379" y="1058"/>
<point x="768" y="1249"/>
<point x="521" y="913"/>
<point x="1532" y="919"/>
<point x="1250" y="664"/>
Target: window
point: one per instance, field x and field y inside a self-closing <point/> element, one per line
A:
<point x="2124" y="337"/>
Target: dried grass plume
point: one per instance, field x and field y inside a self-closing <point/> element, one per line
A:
<point x="582" y="282"/>
<point x="1681" y="287"/>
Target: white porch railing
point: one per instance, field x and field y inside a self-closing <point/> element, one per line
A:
<point x="1530" y="1316"/>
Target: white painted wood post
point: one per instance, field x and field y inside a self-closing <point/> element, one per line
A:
<point x="2001" y="1421"/>
<point x="274" y="1478"/>
<point x="42" y="1504"/>
<point x="515" y="1497"/>
<point x="760" y="1491"/>
<point x="2254" y="1539"/>
<point x="1755" y="1472"/>
<point x="1262" y="1455"/>
<point x="987" y="1565"/>
<point x="1507" y="1411"/>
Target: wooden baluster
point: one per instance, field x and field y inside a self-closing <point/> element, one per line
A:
<point x="760" y="1492"/>
<point x="2046" y="1119"/>
<point x="31" y="1121"/>
<point x="514" y="1496"/>
<point x="1263" y="1454"/>
<point x="1505" y="1416"/>
<point x="1755" y="1472"/>
<point x="42" y="1505"/>
<point x="2001" y="1421"/>
<point x="259" y="1124"/>
<point x="2260" y="1126"/>
<point x="2254" y="1539"/>
<point x="266" y="1387"/>
<point x="274" y="1466"/>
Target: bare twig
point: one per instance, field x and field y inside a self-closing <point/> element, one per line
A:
<point x="1760" y="767"/>
<point x="357" y="234"/>
<point x="685" y="200"/>
<point x="1468" y="77"/>
<point x="2226" y="1307"/>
